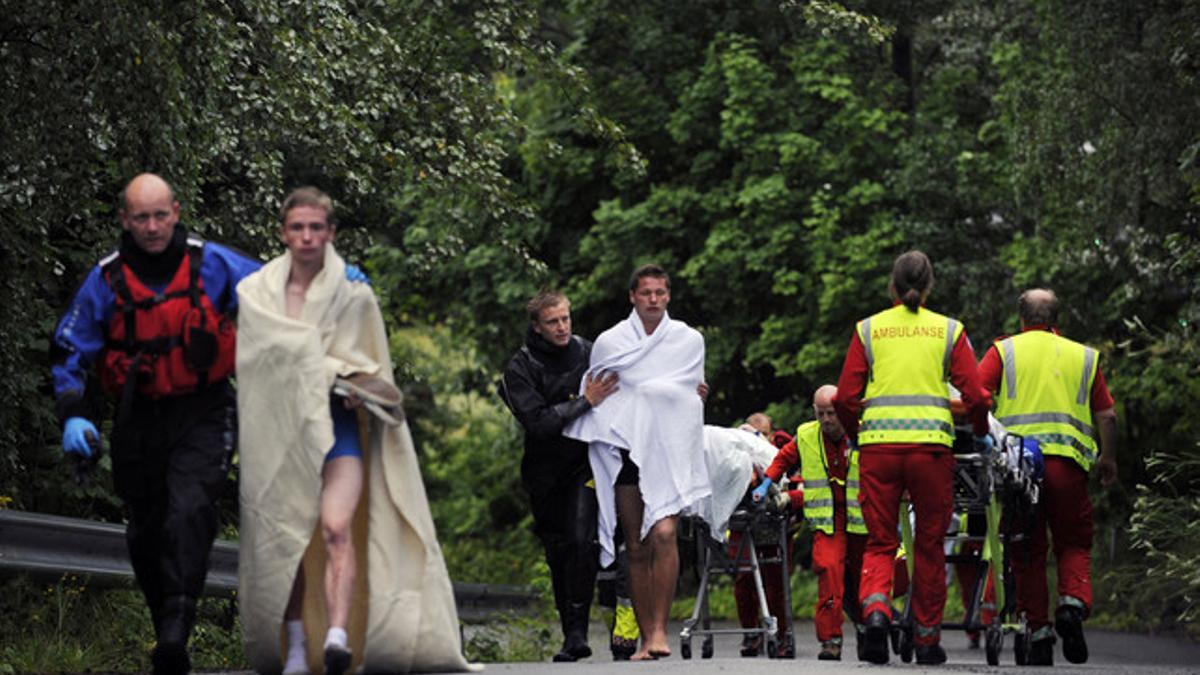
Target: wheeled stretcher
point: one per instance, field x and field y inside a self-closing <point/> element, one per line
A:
<point x="755" y="525"/>
<point x="997" y="492"/>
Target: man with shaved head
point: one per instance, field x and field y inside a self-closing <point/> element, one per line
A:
<point x="1050" y="390"/>
<point x="154" y="317"/>
<point x="829" y="467"/>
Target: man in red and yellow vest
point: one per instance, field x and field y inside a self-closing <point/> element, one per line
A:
<point x="829" y="468"/>
<point x="895" y="375"/>
<point x="1050" y="389"/>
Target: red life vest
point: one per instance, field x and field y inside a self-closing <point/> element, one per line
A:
<point x="174" y="341"/>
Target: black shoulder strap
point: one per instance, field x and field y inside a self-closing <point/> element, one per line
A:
<point x="195" y="251"/>
<point x="114" y="271"/>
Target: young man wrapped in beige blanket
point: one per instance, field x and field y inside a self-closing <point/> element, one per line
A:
<point x="328" y="494"/>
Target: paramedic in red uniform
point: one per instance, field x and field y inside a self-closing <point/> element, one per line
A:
<point x="830" y="469"/>
<point x="1050" y="389"/>
<point x="894" y="379"/>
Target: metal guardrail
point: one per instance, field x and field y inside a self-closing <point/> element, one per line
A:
<point x="50" y="546"/>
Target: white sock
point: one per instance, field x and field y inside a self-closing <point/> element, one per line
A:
<point x="295" y="634"/>
<point x="297" y="656"/>
<point x="336" y="637"/>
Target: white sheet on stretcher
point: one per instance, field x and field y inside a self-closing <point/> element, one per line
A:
<point x="731" y="455"/>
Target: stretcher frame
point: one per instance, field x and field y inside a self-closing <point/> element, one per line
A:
<point x="987" y="485"/>
<point x="758" y="525"/>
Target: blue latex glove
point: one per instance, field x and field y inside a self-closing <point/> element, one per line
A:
<point x="353" y="273"/>
<point x="75" y="436"/>
<point x="760" y="493"/>
<point x="984" y="444"/>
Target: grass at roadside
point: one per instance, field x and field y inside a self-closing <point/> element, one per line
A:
<point x="69" y="626"/>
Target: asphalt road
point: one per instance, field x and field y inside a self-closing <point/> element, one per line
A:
<point x="1111" y="653"/>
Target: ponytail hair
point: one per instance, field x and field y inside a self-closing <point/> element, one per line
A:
<point x="912" y="278"/>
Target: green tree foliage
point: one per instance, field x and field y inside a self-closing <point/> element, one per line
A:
<point x="788" y="158"/>
<point x="386" y="105"/>
<point x="774" y="156"/>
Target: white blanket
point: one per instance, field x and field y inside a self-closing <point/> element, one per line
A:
<point x="731" y="456"/>
<point x="404" y="616"/>
<point x="655" y="414"/>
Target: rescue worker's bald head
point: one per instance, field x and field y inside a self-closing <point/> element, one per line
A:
<point x="1038" y="307"/>
<point x="146" y="187"/>
<point x="826" y="415"/>
<point x="824" y="394"/>
<point x="149" y="212"/>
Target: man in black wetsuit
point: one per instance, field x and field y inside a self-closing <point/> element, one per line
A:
<point x="541" y="387"/>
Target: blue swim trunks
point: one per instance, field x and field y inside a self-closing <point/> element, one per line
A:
<point x="345" y="431"/>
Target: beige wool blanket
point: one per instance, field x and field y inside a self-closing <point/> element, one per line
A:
<point x="404" y="616"/>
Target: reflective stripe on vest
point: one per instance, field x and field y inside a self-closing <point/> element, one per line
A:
<point x="1045" y="393"/>
<point x="908" y="362"/>
<point x="818" y="495"/>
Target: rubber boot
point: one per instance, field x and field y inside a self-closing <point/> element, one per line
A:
<point x="576" y="641"/>
<point x="1068" y="623"/>
<point x="930" y="655"/>
<point x="176" y="618"/>
<point x="624" y="639"/>
<point x="1041" y="652"/>
<point x="875" y="637"/>
<point x="574" y="626"/>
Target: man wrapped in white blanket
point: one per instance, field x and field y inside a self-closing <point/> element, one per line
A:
<point x="646" y="446"/>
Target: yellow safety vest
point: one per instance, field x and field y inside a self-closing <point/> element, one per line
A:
<point x="818" y="495"/>
<point x="1046" y="393"/>
<point x="908" y="364"/>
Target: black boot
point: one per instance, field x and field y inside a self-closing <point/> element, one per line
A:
<point x="1041" y="652"/>
<point x="574" y="618"/>
<point x="1068" y="622"/>
<point x="930" y="655"/>
<point x="176" y="617"/>
<point x="875" y="637"/>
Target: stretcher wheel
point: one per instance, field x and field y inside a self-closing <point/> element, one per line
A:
<point x="706" y="648"/>
<point x="993" y="644"/>
<point x="772" y="647"/>
<point x="685" y="649"/>
<point x="904" y="645"/>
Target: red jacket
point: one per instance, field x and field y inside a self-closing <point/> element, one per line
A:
<point x="837" y="463"/>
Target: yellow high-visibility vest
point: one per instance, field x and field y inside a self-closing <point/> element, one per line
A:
<point x="1046" y="393"/>
<point x="818" y="494"/>
<point x="908" y="362"/>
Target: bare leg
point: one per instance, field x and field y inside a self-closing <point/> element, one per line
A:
<point x="664" y="555"/>
<point x="629" y="513"/>
<point x="342" y="480"/>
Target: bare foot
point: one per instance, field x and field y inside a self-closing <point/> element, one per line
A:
<point x="643" y="655"/>
<point x="658" y="649"/>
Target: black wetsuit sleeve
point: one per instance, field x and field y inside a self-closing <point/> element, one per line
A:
<point x="541" y="418"/>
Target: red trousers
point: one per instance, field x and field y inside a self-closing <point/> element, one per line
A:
<point x="837" y="562"/>
<point x="1066" y="508"/>
<point x="773" y="579"/>
<point x="928" y="476"/>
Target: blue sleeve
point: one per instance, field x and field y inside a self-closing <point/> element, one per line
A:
<point x="221" y="271"/>
<point x="77" y="340"/>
